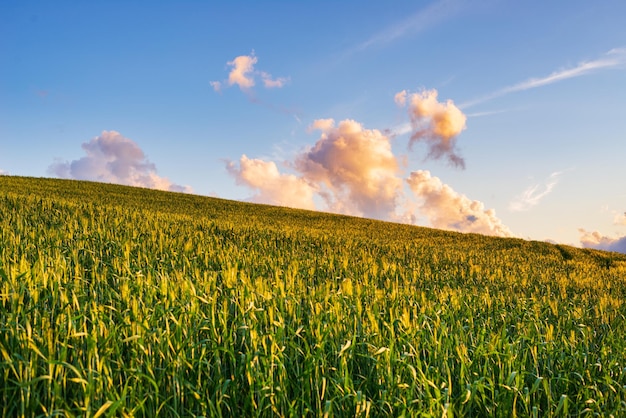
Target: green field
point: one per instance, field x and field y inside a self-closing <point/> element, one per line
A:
<point x="119" y="301"/>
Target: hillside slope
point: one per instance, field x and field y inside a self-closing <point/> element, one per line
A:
<point x="132" y="301"/>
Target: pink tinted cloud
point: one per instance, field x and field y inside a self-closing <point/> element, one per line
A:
<point x="242" y="69"/>
<point x="356" y="166"/>
<point x="601" y="242"/>
<point x="271" y="186"/>
<point x="435" y="123"/>
<point x="447" y="209"/>
<point x="352" y="170"/>
<point x="400" y="98"/>
<point x="270" y="82"/>
<point x="243" y="74"/>
<point x="113" y="158"/>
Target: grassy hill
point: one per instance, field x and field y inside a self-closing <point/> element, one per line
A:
<point x="119" y="301"/>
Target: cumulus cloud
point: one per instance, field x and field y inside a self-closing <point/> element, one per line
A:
<point x="448" y="209"/>
<point x="533" y="194"/>
<point x="356" y="166"/>
<point x="435" y="123"/>
<point x="112" y="158"/>
<point x="601" y="242"/>
<point x="352" y="170"/>
<point x="243" y="74"/>
<point x="272" y="187"/>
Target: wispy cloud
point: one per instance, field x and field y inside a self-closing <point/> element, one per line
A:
<point x="422" y="20"/>
<point x="615" y="58"/>
<point x="271" y="83"/>
<point x="112" y="158"/>
<point x="533" y="194"/>
<point x="486" y="113"/>
<point x="401" y="129"/>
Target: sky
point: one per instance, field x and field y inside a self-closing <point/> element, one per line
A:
<point x="490" y="116"/>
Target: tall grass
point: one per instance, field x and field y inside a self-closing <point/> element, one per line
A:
<point x="117" y="301"/>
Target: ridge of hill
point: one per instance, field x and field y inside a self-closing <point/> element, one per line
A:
<point x="244" y="213"/>
<point x="125" y="301"/>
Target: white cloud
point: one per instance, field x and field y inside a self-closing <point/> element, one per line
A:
<point x="581" y="69"/>
<point x="112" y="158"/>
<point x="448" y="209"/>
<point x="401" y="129"/>
<point x="601" y="242"/>
<point x="612" y="59"/>
<point x="437" y="124"/>
<point x="244" y="75"/>
<point x="4" y="173"/>
<point x="486" y="113"/>
<point x="533" y="194"/>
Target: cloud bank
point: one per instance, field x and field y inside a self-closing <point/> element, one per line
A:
<point x="271" y="186"/>
<point x="533" y="194"/>
<point x="447" y="209"/>
<point x="244" y="75"/>
<point x="434" y="123"/>
<point x="352" y="170"/>
<point x="601" y="242"/>
<point x="112" y="158"/>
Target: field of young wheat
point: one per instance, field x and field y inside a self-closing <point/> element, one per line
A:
<point x="117" y="301"/>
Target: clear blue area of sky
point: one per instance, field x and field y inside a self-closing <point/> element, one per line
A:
<point x="72" y="69"/>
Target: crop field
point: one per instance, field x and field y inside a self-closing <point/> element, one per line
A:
<point x="119" y="301"/>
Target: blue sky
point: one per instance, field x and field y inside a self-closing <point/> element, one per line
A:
<point x="529" y="96"/>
